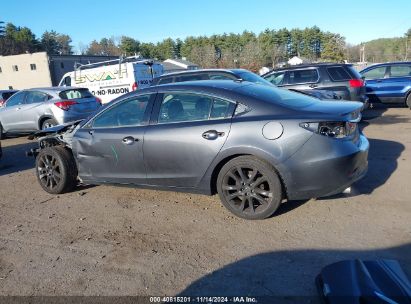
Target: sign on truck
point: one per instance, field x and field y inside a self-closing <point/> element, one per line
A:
<point x="111" y="79"/>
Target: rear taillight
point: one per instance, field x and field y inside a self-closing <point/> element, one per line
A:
<point x="1" y="102"/>
<point x="134" y="86"/>
<point x="99" y="100"/>
<point x="65" y="104"/>
<point x="356" y="83"/>
<point x="339" y="129"/>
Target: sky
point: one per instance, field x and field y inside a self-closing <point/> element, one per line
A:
<point x="152" y="21"/>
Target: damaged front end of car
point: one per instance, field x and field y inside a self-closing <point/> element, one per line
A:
<point x="61" y="135"/>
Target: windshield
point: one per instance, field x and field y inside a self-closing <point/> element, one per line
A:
<point x="251" y="77"/>
<point x="278" y="96"/>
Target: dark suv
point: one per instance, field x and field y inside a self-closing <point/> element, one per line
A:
<point x="389" y="82"/>
<point x="342" y="79"/>
<point x="232" y="74"/>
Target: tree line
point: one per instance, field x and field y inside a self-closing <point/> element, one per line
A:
<point x="246" y="50"/>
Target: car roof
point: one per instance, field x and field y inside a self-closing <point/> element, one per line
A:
<point x="312" y="65"/>
<point x="231" y="71"/>
<point x="55" y="89"/>
<point x="387" y="63"/>
<point x="205" y="84"/>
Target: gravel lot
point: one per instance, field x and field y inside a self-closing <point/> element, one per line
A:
<point x="120" y="241"/>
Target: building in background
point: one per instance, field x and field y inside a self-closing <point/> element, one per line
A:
<point x="39" y="69"/>
<point x="175" y="65"/>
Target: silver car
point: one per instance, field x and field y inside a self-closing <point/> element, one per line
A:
<point x="41" y="108"/>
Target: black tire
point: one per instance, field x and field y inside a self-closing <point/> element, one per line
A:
<point x="56" y="170"/>
<point x="48" y="123"/>
<point x="250" y="188"/>
<point x="408" y="101"/>
<point x="2" y="135"/>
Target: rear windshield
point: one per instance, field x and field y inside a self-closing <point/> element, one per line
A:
<point x="278" y="96"/>
<point x="75" y="94"/>
<point x="338" y="74"/>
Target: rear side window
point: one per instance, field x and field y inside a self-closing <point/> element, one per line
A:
<point x="338" y="74"/>
<point x="192" y="77"/>
<point x="375" y="73"/>
<point x="303" y="76"/>
<point x="75" y="94"/>
<point x="400" y="71"/>
<point x="221" y="76"/>
<point x="165" y="80"/>
<point x="179" y="107"/>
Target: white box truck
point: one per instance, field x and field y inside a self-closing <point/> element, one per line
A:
<point x="110" y="79"/>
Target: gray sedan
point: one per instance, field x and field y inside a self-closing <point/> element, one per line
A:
<point x="37" y="109"/>
<point x="253" y="144"/>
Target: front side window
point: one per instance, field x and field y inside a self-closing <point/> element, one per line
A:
<point x="276" y="78"/>
<point x="36" y="97"/>
<point x="375" y="73"/>
<point x="400" y="71"/>
<point x="178" y="107"/>
<point x="16" y="99"/>
<point x="303" y="76"/>
<point x="67" y="81"/>
<point x="125" y="114"/>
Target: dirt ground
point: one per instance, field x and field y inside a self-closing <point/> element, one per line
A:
<point x="119" y="241"/>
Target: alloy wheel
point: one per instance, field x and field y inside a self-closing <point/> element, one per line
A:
<point x="247" y="190"/>
<point x="49" y="171"/>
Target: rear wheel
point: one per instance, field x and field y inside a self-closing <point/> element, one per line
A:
<point x="56" y="170"/>
<point x="250" y="188"/>
<point x="48" y="123"/>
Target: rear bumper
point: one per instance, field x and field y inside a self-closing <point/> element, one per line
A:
<point x="325" y="166"/>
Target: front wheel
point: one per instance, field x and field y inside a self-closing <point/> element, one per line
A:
<point x="2" y="135"/>
<point x="249" y="187"/>
<point x="408" y="101"/>
<point x="56" y="170"/>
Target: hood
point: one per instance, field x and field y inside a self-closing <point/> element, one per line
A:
<point x="55" y="130"/>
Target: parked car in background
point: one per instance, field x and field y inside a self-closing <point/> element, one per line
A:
<point x="342" y="79"/>
<point x="253" y="144"/>
<point x="389" y="82"/>
<point x="231" y="74"/>
<point x="4" y="95"/>
<point x="41" y="108"/>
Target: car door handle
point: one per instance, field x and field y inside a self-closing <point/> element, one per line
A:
<point x="313" y="86"/>
<point x="212" y="134"/>
<point x="129" y="140"/>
